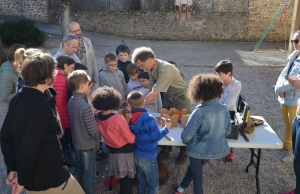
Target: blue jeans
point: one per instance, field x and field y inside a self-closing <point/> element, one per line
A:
<point x="65" y="142"/>
<point x="296" y="148"/>
<point x="85" y="170"/>
<point x="147" y="174"/>
<point x="194" y="173"/>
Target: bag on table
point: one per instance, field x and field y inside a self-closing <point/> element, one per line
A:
<point x="249" y="127"/>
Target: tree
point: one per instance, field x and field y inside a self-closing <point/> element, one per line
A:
<point x="66" y="16"/>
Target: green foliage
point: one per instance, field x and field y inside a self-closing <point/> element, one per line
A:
<point x="21" y="31"/>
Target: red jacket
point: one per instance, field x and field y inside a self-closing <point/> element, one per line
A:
<point x="61" y="86"/>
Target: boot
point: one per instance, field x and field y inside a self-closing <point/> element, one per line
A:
<point x="182" y="158"/>
<point x="163" y="156"/>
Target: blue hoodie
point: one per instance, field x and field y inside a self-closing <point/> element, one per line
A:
<point x="147" y="133"/>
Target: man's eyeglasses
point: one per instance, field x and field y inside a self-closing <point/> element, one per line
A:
<point x="112" y="65"/>
<point x="296" y="41"/>
<point x="75" y="31"/>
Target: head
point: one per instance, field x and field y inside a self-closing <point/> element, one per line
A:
<point x="172" y="63"/>
<point x="74" y="28"/>
<point x="38" y="69"/>
<point x="106" y="98"/>
<point x="22" y="53"/>
<point x="136" y="100"/>
<point x="65" y="64"/>
<point x="144" y="79"/>
<point x="12" y="50"/>
<point x="224" y="70"/>
<point x="79" y="81"/>
<point x="80" y="66"/>
<point x="111" y="61"/>
<point x="296" y="39"/>
<point x="144" y="57"/>
<point x="133" y="71"/>
<point x="205" y="87"/>
<point x="70" y="44"/>
<point x="123" y="52"/>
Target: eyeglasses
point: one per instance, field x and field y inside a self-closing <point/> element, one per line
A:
<point x="55" y="71"/>
<point x="112" y="65"/>
<point x="71" y="67"/>
<point x="75" y="31"/>
<point x="296" y="41"/>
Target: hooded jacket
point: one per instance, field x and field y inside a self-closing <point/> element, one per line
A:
<point x="147" y="133"/>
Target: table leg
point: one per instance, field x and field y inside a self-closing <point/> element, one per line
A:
<point x="256" y="166"/>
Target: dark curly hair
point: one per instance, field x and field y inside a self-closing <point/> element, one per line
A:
<point x="205" y="87"/>
<point x="106" y="98"/>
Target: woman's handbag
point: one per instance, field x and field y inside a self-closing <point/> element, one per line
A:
<point x="110" y="182"/>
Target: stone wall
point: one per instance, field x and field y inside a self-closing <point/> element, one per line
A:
<point x="30" y="9"/>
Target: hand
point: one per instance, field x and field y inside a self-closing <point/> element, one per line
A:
<point x="158" y="121"/>
<point x="96" y="112"/>
<point x="168" y="123"/>
<point x="282" y="95"/>
<point x="60" y="135"/>
<point x="16" y="188"/>
<point x="127" y="109"/>
<point x="11" y="176"/>
<point x="294" y="81"/>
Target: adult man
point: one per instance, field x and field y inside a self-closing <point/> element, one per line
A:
<point x="163" y="77"/>
<point x="85" y="51"/>
<point x="69" y="45"/>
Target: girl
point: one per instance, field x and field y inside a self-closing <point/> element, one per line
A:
<point x="117" y="136"/>
<point x="206" y="130"/>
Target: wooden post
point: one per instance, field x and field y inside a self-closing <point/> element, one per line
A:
<point x="295" y="23"/>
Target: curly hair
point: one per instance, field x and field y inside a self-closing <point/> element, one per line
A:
<point x="205" y="87"/>
<point x="106" y="98"/>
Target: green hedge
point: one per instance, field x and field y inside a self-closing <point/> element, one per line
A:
<point x="21" y="31"/>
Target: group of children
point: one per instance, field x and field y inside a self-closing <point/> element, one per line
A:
<point x="133" y="146"/>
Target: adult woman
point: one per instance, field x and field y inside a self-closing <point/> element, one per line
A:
<point x="288" y="96"/>
<point x="8" y="79"/>
<point x="29" y="140"/>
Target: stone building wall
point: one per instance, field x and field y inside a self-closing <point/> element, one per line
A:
<point x="30" y="9"/>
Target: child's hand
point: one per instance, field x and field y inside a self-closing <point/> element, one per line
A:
<point x="158" y="121"/>
<point x="168" y="123"/>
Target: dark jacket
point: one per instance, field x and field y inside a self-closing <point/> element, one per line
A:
<point x="29" y="141"/>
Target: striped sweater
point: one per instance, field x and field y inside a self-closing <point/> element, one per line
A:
<point x="85" y="134"/>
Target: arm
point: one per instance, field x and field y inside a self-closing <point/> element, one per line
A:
<point x="90" y="122"/>
<point x="154" y="133"/>
<point x="93" y="61"/>
<point x="193" y="124"/>
<point x="159" y="103"/>
<point x="101" y="80"/>
<point x="7" y="87"/>
<point x="151" y="96"/>
<point x="294" y="81"/>
<point x="126" y="88"/>
<point x="228" y="128"/>
<point x="124" y="129"/>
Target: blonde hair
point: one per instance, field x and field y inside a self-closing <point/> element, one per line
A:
<point x="76" y="78"/>
<point x="21" y="54"/>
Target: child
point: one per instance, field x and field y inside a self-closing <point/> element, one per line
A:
<point x="65" y="66"/>
<point x="144" y="126"/>
<point x="133" y="72"/>
<point x="117" y="137"/>
<point x="206" y="130"/>
<point x="232" y="89"/>
<point x="155" y="105"/>
<point x="85" y="134"/>
<point x="123" y="54"/>
<point x="111" y="76"/>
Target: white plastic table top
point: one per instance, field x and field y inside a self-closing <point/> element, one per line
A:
<point x="262" y="137"/>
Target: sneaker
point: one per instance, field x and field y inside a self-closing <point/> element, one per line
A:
<point x="175" y="189"/>
<point x="289" y="158"/>
<point x="290" y="192"/>
<point x="97" y="174"/>
<point x="163" y="156"/>
<point x="102" y="156"/>
<point x="229" y="158"/>
<point x="182" y="158"/>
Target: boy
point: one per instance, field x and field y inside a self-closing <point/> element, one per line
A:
<point x="156" y="104"/>
<point x="111" y="76"/>
<point x="232" y="89"/>
<point x="123" y="54"/>
<point x="147" y="134"/>
<point x="133" y="71"/>
<point x="85" y="134"/>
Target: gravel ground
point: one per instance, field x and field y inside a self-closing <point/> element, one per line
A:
<point x="257" y="86"/>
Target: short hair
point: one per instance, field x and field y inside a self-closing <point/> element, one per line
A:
<point x="106" y="98"/>
<point x="205" y="87"/>
<point x="132" y="69"/>
<point x="142" y="54"/>
<point x="72" y="23"/>
<point x="143" y="75"/>
<point x="21" y="54"/>
<point x="122" y="48"/>
<point x="80" y="66"/>
<point x="135" y="99"/>
<point x="110" y="56"/>
<point x="224" y="66"/>
<point x="37" y="68"/>
<point x="64" y="59"/>
<point x="68" y="38"/>
<point x="172" y="62"/>
<point x="12" y="50"/>
<point x="76" y="78"/>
